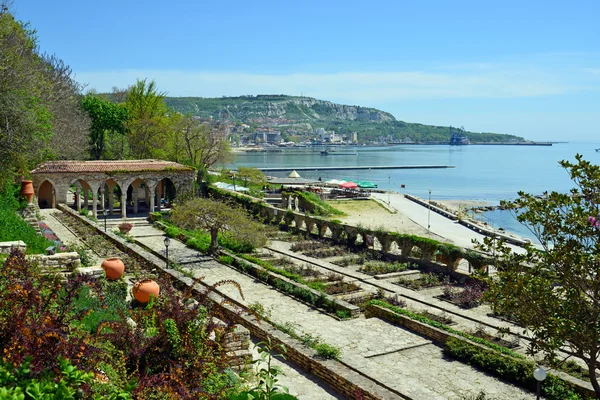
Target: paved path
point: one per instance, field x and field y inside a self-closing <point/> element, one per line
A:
<point x="395" y="356"/>
<point x="441" y="226"/>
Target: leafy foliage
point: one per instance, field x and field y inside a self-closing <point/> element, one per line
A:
<point x="554" y="292"/>
<point x="14" y="227"/>
<point x="218" y="217"/>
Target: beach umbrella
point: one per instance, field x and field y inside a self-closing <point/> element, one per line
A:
<point x="294" y="174"/>
<point x="366" y="184"/>
<point x="348" y="185"/>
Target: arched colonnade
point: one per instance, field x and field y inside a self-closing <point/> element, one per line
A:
<point x="106" y="183"/>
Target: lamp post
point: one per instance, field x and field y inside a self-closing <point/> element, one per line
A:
<point x="389" y="188"/>
<point x="429" y="213"/>
<point x="234" y="182"/>
<point x="105" y="217"/>
<point x="539" y="374"/>
<point x="167" y="242"/>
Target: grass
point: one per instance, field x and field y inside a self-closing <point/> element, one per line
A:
<point x="352" y="206"/>
<point x="15" y="228"/>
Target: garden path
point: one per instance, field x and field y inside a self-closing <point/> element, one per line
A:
<point x="389" y="354"/>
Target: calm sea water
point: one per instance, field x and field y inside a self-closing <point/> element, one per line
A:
<point x="490" y="173"/>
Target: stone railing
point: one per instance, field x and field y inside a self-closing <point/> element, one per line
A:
<point x="426" y="252"/>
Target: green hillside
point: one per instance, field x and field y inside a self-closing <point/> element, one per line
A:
<point x="304" y="114"/>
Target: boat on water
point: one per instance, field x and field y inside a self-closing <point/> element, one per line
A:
<point x="458" y="137"/>
<point x="335" y="153"/>
<point x="598" y="149"/>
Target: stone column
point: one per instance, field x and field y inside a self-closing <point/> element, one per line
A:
<point x="124" y="205"/>
<point x="102" y="197"/>
<point x="95" y="204"/>
<point x="152" y="191"/>
<point x="134" y="196"/>
<point x="111" y="201"/>
<point x="158" y="192"/>
<point x="86" y="193"/>
<point x="78" y="195"/>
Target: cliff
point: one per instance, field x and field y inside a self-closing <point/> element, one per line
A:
<point x="304" y="114"/>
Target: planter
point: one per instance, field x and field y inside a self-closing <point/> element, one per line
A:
<point x="27" y="190"/>
<point x="144" y="288"/>
<point x="114" y="268"/>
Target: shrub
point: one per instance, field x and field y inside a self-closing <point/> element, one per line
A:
<point x="125" y="227"/>
<point x="327" y="351"/>
<point x="518" y="371"/>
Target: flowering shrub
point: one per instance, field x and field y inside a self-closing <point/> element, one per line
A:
<point x="125" y="227"/>
<point x="86" y="322"/>
<point x="471" y="296"/>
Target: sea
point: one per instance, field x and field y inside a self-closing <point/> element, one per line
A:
<point x="481" y="172"/>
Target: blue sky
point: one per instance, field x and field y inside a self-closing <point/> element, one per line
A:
<point x="530" y="68"/>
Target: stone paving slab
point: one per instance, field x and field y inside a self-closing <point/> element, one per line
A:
<point x="298" y="382"/>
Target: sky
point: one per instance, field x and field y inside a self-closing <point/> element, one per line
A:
<point x="529" y="68"/>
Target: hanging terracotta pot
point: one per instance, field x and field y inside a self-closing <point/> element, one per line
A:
<point x="27" y="190"/>
<point x="144" y="288"/>
<point x="114" y="268"/>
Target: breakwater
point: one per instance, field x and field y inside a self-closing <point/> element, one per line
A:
<point x="349" y="168"/>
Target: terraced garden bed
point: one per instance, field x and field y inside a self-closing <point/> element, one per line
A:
<point x="426" y="281"/>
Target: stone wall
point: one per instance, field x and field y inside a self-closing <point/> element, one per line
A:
<point x="58" y="261"/>
<point x="6" y="247"/>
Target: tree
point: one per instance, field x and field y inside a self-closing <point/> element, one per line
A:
<point x="555" y="291"/>
<point x="218" y="217"/>
<point x="107" y="118"/>
<point x="39" y="113"/>
<point x="252" y="175"/>
<point x="147" y="119"/>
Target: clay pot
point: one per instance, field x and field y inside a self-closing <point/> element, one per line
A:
<point x="27" y="190"/>
<point x="114" y="268"/>
<point x="144" y="288"/>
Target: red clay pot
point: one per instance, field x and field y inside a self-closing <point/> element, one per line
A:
<point x="144" y="288"/>
<point x="27" y="190"/>
<point x="114" y="268"/>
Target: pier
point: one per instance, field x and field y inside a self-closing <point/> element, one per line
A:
<point x="350" y="168"/>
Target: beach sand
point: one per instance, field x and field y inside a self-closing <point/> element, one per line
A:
<point x="372" y="214"/>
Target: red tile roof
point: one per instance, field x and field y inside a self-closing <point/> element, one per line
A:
<point x="54" y="167"/>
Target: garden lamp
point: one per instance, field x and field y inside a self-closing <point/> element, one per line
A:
<point x="539" y="374"/>
<point x="167" y="242"/>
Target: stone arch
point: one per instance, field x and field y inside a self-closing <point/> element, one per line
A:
<point x="47" y="194"/>
<point x="165" y="193"/>
<point x="81" y="194"/>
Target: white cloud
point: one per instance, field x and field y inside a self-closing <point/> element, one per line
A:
<point x="483" y="81"/>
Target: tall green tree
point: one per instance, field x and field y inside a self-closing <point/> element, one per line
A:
<point x="218" y="217"/>
<point x="40" y="116"/>
<point x="107" y="118"/>
<point x="555" y="291"/>
<point x="147" y="119"/>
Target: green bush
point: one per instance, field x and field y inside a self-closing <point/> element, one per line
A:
<point x="13" y="227"/>
<point x="327" y="351"/>
<point x="446" y="328"/>
<point x="518" y="371"/>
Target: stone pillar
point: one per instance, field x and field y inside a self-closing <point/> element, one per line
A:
<point x="95" y="204"/>
<point x="151" y="192"/>
<point x="158" y="192"/>
<point x="102" y="197"/>
<point x="134" y="196"/>
<point x="86" y="193"/>
<point x="111" y="202"/>
<point x="78" y="195"/>
<point x="123" y="204"/>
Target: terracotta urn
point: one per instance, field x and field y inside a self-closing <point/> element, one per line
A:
<point x="27" y="190"/>
<point x="144" y="288"/>
<point x="114" y="268"/>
